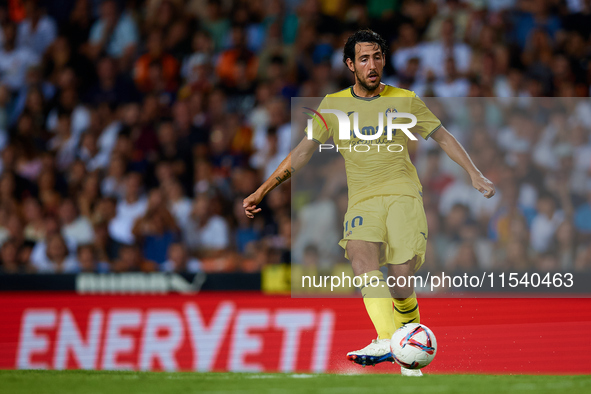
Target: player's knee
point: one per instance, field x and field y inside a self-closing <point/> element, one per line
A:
<point x="362" y="265"/>
<point x="401" y="293"/>
<point x="405" y="269"/>
<point x="364" y="256"/>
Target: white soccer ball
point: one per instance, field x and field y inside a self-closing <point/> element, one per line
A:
<point x="413" y="346"/>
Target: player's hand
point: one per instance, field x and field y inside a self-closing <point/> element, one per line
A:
<point x="483" y="185"/>
<point x="250" y="205"/>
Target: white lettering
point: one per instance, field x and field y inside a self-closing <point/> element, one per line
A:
<point x="244" y="343"/>
<point x="292" y="322"/>
<point x="395" y="151"/>
<point x="323" y="341"/>
<point x="30" y="342"/>
<point x="375" y="136"/>
<point x="344" y="123"/>
<point x="162" y="348"/>
<point x="69" y="338"/>
<point x="206" y="341"/>
<point x="116" y="342"/>
<point x="404" y="127"/>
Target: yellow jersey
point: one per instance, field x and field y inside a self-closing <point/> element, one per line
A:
<point x="382" y="166"/>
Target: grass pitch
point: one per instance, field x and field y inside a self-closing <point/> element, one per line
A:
<point x="91" y="382"/>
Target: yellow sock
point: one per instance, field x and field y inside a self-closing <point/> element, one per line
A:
<point x="378" y="304"/>
<point x="406" y="311"/>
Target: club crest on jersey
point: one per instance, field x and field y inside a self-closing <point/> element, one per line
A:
<point x="391" y="110"/>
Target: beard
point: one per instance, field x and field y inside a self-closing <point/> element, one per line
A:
<point x="368" y="85"/>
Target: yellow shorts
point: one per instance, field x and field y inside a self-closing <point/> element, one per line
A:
<point x="397" y="221"/>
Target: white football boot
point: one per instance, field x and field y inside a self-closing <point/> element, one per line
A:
<point x="410" y="372"/>
<point x="376" y="352"/>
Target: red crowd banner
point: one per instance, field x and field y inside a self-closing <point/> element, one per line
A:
<point x="249" y="331"/>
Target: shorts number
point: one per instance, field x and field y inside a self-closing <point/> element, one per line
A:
<point x="357" y="221"/>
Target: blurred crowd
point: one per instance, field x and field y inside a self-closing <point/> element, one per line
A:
<point x="130" y="131"/>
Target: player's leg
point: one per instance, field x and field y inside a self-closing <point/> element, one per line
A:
<point x="407" y="242"/>
<point x="377" y="299"/>
<point x="406" y="307"/>
<point x="404" y="298"/>
<point x="364" y="258"/>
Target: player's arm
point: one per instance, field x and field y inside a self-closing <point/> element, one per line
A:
<point x="296" y="159"/>
<point x="457" y="153"/>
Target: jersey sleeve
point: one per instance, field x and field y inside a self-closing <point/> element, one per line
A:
<point x="322" y="127"/>
<point x="427" y="122"/>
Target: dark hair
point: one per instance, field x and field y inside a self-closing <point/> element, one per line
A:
<point x="86" y="246"/>
<point x="546" y="195"/>
<point x="362" y="36"/>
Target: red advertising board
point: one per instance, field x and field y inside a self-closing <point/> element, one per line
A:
<point x="252" y="332"/>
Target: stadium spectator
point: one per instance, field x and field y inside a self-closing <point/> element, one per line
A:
<point x="207" y="232"/>
<point x="131" y="260"/>
<point x="10" y="263"/>
<point x="106" y="248"/>
<point x="179" y="261"/>
<point x="157" y="229"/>
<point x="566" y="246"/>
<point x="464" y="259"/>
<point x="111" y="127"/>
<point x="78" y="26"/>
<point x="436" y="53"/>
<point x="203" y="116"/>
<point x="156" y="55"/>
<point x="202" y="47"/>
<point x="111" y="87"/>
<point x="114" y="33"/>
<point x="178" y="203"/>
<point x="452" y="85"/>
<point x="406" y="47"/>
<point x="74" y="226"/>
<point x="68" y="102"/>
<point x="90" y="154"/>
<point x="57" y="258"/>
<point x="129" y="208"/>
<point x="33" y="214"/>
<point x="583" y="215"/>
<point x="14" y="60"/>
<point x="63" y="144"/>
<point x="37" y="31"/>
<point x="88" y="261"/>
<point x="583" y="262"/>
<point x="238" y="65"/>
<point x="32" y="97"/>
<point x="545" y="223"/>
<point x="88" y="195"/>
<point x="215" y="23"/>
<point x="161" y="15"/>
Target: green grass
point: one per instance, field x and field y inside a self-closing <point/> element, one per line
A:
<point x="82" y="382"/>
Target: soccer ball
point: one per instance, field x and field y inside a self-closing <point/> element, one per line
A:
<point x="413" y="346"/>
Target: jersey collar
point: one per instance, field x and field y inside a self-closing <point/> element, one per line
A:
<point x="364" y="98"/>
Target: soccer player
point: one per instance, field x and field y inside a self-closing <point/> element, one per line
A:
<point x="385" y="223"/>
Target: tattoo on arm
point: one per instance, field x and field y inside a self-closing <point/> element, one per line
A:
<point x="281" y="179"/>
